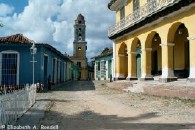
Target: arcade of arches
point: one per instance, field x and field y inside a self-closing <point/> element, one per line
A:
<point x="156" y="53"/>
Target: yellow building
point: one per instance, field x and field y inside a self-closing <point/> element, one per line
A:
<point x="153" y="38"/>
<point x="80" y="47"/>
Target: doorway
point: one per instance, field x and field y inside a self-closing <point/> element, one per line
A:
<point x="138" y="65"/>
<point x="45" y="69"/>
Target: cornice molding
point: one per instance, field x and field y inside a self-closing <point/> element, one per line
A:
<point x="115" y="5"/>
<point x="191" y="38"/>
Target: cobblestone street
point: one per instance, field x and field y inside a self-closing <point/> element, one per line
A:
<point x="87" y="105"/>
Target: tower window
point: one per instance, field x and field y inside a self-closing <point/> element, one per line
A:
<point x="79" y="48"/>
<point x="80" y="37"/>
<point x="79" y="22"/>
<point x="79" y="64"/>
<point x="79" y="29"/>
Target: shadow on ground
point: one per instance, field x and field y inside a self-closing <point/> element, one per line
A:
<point x="88" y="120"/>
<point x="75" y="86"/>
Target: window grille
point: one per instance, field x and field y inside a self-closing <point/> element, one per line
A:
<point x="9" y="68"/>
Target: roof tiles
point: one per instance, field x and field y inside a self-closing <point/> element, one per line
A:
<point x="17" y="38"/>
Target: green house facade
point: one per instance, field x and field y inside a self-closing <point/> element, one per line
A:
<point x="74" y="71"/>
<point x="103" y="65"/>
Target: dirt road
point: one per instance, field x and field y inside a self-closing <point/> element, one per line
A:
<point x="85" y="105"/>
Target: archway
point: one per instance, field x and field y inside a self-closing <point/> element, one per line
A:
<point x="136" y="57"/>
<point x="123" y="61"/>
<point x="177" y="36"/>
<point x="181" y="52"/>
<point x="156" y="56"/>
<point x="152" y="44"/>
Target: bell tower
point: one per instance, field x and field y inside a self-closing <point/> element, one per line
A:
<point x="80" y="46"/>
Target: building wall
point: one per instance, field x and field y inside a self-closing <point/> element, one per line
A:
<point x="80" y="50"/>
<point x="174" y="56"/>
<point x="60" y="65"/>
<point x="83" y="62"/>
<point x="105" y="68"/>
<point x="83" y="68"/>
<point x="69" y="71"/>
<point x="25" y="66"/>
<point x="128" y="8"/>
<point x="74" y="71"/>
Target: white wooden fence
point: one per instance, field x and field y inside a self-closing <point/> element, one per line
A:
<point x="13" y="105"/>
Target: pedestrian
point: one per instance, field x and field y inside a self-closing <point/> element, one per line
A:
<point x="49" y="82"/>
<point x="39" y="86"/>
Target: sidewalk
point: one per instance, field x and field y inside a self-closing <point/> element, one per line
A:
<point x="31" y="119"/>
<point x="33" y="116"/>
<point x="180" y="89"/>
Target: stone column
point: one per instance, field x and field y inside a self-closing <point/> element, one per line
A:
<point x="167" y="63"/>
<point x="95" y="71"/>
<point x="120" y="75"/>
<point x="112" y="69"/>
<point x="191" y="77"/>
<point x="131" y="66"/>
<point x="106" y="69"/>
<point x="146" y="64"/>
<point x="102" y="69"/>
<point x="113" y="62"/>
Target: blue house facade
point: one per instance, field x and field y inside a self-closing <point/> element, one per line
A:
<point x="103" y="65"/>
<point x="16" y="62"/>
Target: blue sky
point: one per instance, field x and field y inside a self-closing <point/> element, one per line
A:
<point x="52" y="21"/>
<point x="17" y="4"/>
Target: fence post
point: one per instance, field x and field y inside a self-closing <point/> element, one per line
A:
<point x="5" y="90"/>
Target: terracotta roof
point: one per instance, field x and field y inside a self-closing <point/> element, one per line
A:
<point x="17" y="38"/>
<point x="105" y="52"/>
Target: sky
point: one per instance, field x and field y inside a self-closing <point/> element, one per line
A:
<point x="52" y="21"/>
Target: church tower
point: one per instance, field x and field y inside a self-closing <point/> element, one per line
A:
<point x="80" y="47"/>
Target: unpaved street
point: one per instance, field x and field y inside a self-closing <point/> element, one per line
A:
<point x="86" y="105"/>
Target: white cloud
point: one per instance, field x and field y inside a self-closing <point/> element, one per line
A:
<point x="52" y="21"/>
<point x="5" y="9"/>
